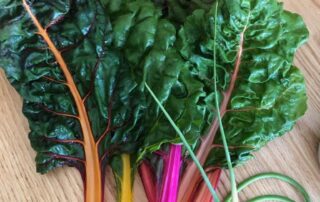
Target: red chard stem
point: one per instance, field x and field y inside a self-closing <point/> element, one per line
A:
<point x="148" y="180"/>
<point x="203" y="193"/>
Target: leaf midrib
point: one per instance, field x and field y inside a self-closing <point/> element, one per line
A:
<point x="191" y="174"/>
<point x="93" y="179"/>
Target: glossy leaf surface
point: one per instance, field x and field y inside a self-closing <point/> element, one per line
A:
<point x="111" y="48"/>
<point x="82" y="32"/>
<point x="269" y="93"/>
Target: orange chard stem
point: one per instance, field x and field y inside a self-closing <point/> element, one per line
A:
<point x="93" y="178"/>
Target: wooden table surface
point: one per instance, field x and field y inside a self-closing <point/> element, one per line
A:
<point x="294" y="154"/>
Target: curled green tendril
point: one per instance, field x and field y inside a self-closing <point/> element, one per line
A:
<point x="271" y="175"/>
<point x="270" y="198"/>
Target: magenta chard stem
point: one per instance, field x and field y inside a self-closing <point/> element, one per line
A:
<point x="171" y="174"/>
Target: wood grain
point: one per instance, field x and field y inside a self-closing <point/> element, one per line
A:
<point x="294" y="154"/>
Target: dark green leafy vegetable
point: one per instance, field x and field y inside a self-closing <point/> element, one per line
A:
<point x="82" y="72"/>
<point x="77" y="88"/>
<point x="262" y="95"/>
<point x="148" y="43"/>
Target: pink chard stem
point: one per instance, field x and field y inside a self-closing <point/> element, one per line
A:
<point x="171" y="175"/>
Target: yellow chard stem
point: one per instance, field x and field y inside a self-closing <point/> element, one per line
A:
<point x="126" y="184"/>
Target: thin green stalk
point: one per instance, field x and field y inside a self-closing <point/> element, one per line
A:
<point x="269" y="175"/>
<point x="186" y="144"/>
<point x="223" y="136"/>
<point x="271" y="198"/>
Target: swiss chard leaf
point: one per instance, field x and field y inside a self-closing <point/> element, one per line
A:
<point x="79" y="95"/>
<point x="269" y="93"/>
<point x="81" y="68"/>
<point x="148" y="44"/>
<point x="178" y="10"/>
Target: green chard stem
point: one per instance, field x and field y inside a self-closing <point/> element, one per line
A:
<point x="271" y="175"/>
<point x="270" y="198"/>
<point x="217" y="104"/>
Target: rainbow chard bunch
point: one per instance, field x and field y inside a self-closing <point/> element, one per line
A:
<point x="147" y="86"/>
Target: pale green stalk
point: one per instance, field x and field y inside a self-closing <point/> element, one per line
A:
<point x="186" y="144"/>
<point x="271" y="198"/>
<point x="269" y="175"/>
<point x="234" y="192"/>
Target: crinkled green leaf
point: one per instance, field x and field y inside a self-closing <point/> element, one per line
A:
<point x="178" y="10"/>
<point x="82" y="31"/>
<point x="148" y="44"/>
<point x="113" y="47"/>
<point x="269" y="95"/>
